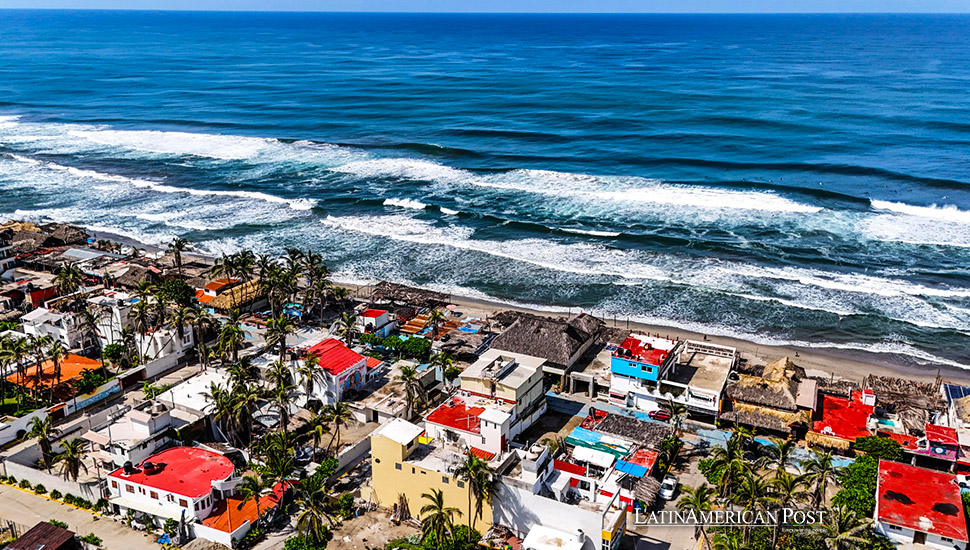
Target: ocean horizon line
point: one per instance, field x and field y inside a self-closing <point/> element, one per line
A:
<point x="472" y="13"/>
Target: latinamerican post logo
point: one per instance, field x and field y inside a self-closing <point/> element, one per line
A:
<point x="785" y="518"/>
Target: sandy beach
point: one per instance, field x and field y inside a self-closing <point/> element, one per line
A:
<point x="846" y="364"/>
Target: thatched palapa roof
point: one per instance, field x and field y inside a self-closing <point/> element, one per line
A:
<point x="554" y="339"/>
<point x="386" y="290"/>
<point x="237" y="296"/>
<point x="648" y="434"/>
<point x="646" y="491"/>
<point x="829" y="441"/>
<point x="765" y="418"/>
<point x="777" y="387"/>
<point x="898" y="394"/>
<point x="962" y="407"/>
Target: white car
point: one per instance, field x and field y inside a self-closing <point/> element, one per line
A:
<point x="668" y="487"/>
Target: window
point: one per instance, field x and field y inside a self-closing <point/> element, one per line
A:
<point x="461" y="484"/>
<point x="130" y="488"/>
<point x="114" y="484"/>
<point x="895" y="528"/>
<point x="397" y="466"/>
<point x="141" y="490"/>
<point x="946" y="539"/>
<point x="444" y="479"/>
<point x="154" y="495"/>
<point x="183" y="503"/>
<point x="413" y="471"/>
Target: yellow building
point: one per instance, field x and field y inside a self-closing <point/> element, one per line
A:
<point x="401" y="465"/>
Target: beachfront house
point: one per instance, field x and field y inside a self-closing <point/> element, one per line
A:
<point x="341" y="370"/>
<point x="65" y="327"/>
<point x="501" y="395"/>
<point x="136" y="434"/>
<point x="648" y="370"/>
<point x="378" y="322"/>
<point x="115" y="306"/>
<point x="560" y="342"/>
<point x="775" y="398"/>
<point x="919" y="508"/>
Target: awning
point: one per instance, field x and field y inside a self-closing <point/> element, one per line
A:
<point x="600" y="458"/>
<point x="482" y="454"/>
<point x="630" y="468"/>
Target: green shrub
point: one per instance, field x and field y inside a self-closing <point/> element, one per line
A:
<point x="879" y="447"/>
<point x="91" y="538"/>
<point x="712" y="474"/>
<point x="24" y="484"/>
<point x="55" y="494"/>
<point x="12" y="480"/>
<point x="346" y="505"/>
<point x="304" y="543"/>
<point x="170" y="527"/>
<point x="57" y="523"/>
<point x="858" y="481"/>
<point x="40" y="489"/>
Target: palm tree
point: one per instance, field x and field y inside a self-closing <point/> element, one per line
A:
<point x="788" y="491"/>
<point x="780" y="453"/>
<point x="231" y="337"/>
<point x="68" y="279"/>
<point x="312" y="499"/>
<point x="57" y="353"/>
<point x="277" y="329"/>
<point x="413" y="390"/>
<point x="819" y="471"/>
<point x="279" y="374"/>
<point x="317" y="427"/>
<point x="16" y="350"/>
<point x="436" y="318"/>
<point x="438" y="520"/>
<point x="245" y="399"/>
<point x="347" y="327"/>
<point x="730" y="459"/>
<point x="141" y="316"/>
<point x="251" y="488"/>
<point x="71" y="458"/>
<point x="336" y="414"/>
<point x="842" y="528"/>
<point x="308" y="374"/>
<point x="728" y="541"/>
<point x="43" y="429"/>
<point x="480" y="480"/>
<point x="220" y="404"/>
<point x="442" y="360"/>
<point x="177" y="247"/>
<point x="677" y="414"/>
<point x="698" y="499"/>
<point x="754" y="494"/>
<point x="280" y="395"/>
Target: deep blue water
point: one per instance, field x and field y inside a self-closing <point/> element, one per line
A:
<point x="791" y="179"/>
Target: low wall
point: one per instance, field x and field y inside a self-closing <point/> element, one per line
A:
<point x="101" y="393"/>
<point x="222" y="537"/>
<point x="89" y="491"/>
<point x="353" y="454"/>
<point x="10" y="432"/>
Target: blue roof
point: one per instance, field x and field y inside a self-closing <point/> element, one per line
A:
<point x="630" y="468"/>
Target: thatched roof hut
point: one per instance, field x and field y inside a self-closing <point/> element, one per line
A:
<point x="961" y="406"/>
<point x="777" y="387"/>
<point x="766" y="418"/>
<point x="561" y="342"/>
<point x="827" y="441"/>
<point x="238" y="296"/>
<point x="386" y="290"/>
<point x="898" y="394"/>
<point x="646" y="491"/>
<point x="647" y="434"/>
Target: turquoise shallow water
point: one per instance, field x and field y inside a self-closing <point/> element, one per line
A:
<point x="790" y="179"/>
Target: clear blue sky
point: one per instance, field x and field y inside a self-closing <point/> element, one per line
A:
<point x="602" y="6"/>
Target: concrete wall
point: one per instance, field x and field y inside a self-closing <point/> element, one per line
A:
<point x="89" y="491"/>
<point x="100" y="393"/>
<point x="12" y="430"/>
<point x="222" y="537"/>
<point x="353" y="454"/>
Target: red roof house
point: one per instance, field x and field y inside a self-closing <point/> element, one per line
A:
<point x="842" y="417"/>
<point x="916" y="504"/>
<point x="344" y="369"/>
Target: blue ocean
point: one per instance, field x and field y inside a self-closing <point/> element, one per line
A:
<point x="787" y="179"/>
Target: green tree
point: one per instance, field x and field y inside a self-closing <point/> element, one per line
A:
<point x="731" y="462"/>
<point x="843" y="529"/>
<point x="71" y="458"/>
<point x="251" y="488"/>
<point x="437" y="519"/>
<point x="337" y="415"/>
<point x="858" y="486"/>
<point x="819" y="471"/>
<point x="879" y="447"/>
<point x="414" y="393"/>
<point x="43" y="429"/>
<point x="314" y="519"/>
<point x="276" y="332"/>
<point x="347" y="327"/>
<point x="698" y="499"/>
<point x="435" y="319"/>
<point x="479" y="479"/>
<point x="177" y="247"/>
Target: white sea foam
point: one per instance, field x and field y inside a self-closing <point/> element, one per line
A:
<point x="590" y="232"/>
<point x="225" y="147"/>
<point x="448" y="211"/>
<point x="949" y="212"/>
<point x="406" y="168"/>
<point x="405" y="203"/>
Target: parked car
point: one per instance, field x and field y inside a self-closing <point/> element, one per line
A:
<point x="669" y="487"/>
<point x="659" y="414"/>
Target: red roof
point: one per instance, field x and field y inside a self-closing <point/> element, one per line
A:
<point x="568" y="467"/>
<point x="454" y="414"/>
<point x="920" y="499"/>
<point x="335" y="357"/>
<point x="372" y="313"/>
<point x="482" y="454"/>
<point x="941" y="434"/>
<point x="845" y="418"/>
<point x="643" y="457"/>
<point x="187" y="471"/>
<point x="373" y="363"/>
<point x="644" y="352"/>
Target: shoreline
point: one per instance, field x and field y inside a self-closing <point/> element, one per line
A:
<point x="851" y="365"/>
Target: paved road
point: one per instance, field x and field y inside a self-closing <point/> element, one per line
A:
<point x="28" y="509"/>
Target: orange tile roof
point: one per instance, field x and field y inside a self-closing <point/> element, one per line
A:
<point x="71" y="368"/>
<point x="218" y="284"/>
<point x="231" y="513"/>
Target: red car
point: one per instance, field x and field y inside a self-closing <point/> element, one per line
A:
<point x="659" y="414"/>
